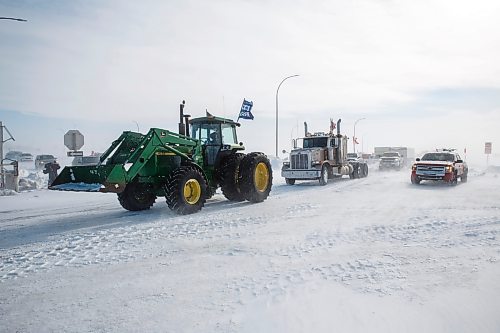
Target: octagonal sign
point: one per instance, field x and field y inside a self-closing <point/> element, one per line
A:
<point x="73" y="139"/>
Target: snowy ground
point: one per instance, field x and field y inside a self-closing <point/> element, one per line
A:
<point x="369" y="255"/>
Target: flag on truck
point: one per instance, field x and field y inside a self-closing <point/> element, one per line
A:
<point x="332" y="125"/>
<point x="246" y="110"/>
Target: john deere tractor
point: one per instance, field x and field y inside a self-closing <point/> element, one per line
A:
<point x="186" y="167"/>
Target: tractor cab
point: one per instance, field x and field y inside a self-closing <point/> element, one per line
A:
<point x="217" y="137"/>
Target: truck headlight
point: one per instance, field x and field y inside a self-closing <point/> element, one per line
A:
<point x="449" y="169"/>
<point x="414" y="167"/>
<point x="316" y="163"/>
<point x="286" y="164"/>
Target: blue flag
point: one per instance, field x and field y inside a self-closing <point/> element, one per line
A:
<point x="246" y="110"/>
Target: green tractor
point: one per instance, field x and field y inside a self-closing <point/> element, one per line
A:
<point x="184" y="168"/>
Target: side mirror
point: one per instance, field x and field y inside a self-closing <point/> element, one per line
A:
<point x="241" y="143"/>
<point x="459" y="161"/>
<point x="283" y="151"/>
<point x="417" y="159"/>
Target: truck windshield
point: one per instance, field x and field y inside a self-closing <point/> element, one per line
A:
<point x="314" y="142"/>
<point x="438" y="157"/>
<point x="391" y="155"/>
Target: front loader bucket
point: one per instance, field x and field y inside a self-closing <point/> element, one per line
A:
<point x="90" y="178"/>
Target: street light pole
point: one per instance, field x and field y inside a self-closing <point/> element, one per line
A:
<point x="354" y="136"/>
<point x="277" y="90"/>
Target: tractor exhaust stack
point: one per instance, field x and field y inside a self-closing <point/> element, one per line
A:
<point x="182" y="126"/>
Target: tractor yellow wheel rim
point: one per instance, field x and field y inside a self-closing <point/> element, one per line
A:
<point x="261" y="177"/>
<point x="192" y="191"/>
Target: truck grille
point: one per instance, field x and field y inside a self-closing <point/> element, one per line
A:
<point x="299" y="161"/>
<point x="430" y="170"/>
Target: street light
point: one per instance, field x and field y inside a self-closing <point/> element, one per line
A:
<point x="354" y="136"/>
<point x="277" y="90"/>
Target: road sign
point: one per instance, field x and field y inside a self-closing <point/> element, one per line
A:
<point x="75" y="153"/>
<point x="73" y="139"/>
<point x="487" y="148"/>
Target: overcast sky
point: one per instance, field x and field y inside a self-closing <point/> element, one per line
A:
<point x="424" y="74"/>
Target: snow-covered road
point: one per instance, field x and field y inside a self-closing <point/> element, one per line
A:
<point x="375" y="254"/>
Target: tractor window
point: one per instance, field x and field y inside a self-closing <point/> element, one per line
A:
<point x="229" y="134"/>
<point x="207" y="133"/>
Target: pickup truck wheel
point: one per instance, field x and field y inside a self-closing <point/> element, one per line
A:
<point x="463" y="179"/>
<point x="290" y="181"/>
<point x="255" y="177"/>
<point x="229" y="178"/>
<point x="137" y="196"/>
<point x="415" y="180"/>
<point x="454" y="181"/>
<point x="323" y="179"/>
<point x="186" y="190"/>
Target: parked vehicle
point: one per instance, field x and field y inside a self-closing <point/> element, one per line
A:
<point x="86" y="160"/>
<point x="391" y="160"/>
<point x="26" y="157"/>
<point x="13" y="155"/>
<point x="185" y="169"/>
<point x="444" y="165"/>
<point x="42" y="160"/>
<point x="322" y="156"/>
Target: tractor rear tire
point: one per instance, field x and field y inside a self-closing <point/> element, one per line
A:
<point x="186" y="190"/>
<point x="255" y="177"/>
<point x="229" y="177"/>
<point x="137" y="196"/>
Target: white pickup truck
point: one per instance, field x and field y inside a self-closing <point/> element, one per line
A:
<point x="391" y="160"/>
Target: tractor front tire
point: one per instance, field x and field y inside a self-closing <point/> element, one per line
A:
<point x="186" y="190"/>
<point x="255" y="177"/>
<point x="229" y="177"/>
<point x="137" y="196"/>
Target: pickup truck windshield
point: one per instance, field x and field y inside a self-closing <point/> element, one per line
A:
<point x="391" y="155"/>
<point x="438" y="157"/>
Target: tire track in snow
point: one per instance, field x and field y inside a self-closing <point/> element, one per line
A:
<point x="124" y="244"/>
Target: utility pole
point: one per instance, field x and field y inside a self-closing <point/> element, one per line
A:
<point x="354" y="136"/>
<point x="2" y="141"/>
<point x="277" y="91"/>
